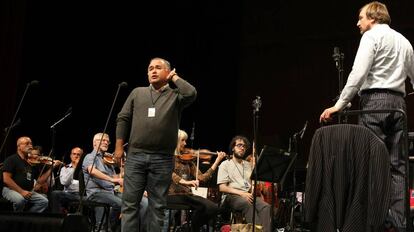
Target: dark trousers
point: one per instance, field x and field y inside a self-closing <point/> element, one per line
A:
<point x="389" y="127"/>
<point x="204" y="209"/>
<point x="150" y="172"/>
<point x="61" y="199"/>
<point x="262" y="210"/>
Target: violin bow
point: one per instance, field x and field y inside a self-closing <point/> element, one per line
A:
<point x="198" y="165"/>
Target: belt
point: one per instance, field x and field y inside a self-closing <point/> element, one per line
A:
<point x="389" y="91"/>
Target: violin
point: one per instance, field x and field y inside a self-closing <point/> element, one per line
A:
<point x="110" y="159"/>
<point x="190" y="154"/>
<point x="47" y="163"/>
<point x="41" y="187"/>
<point x="35" y="160"/>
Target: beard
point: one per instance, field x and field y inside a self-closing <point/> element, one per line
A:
<point x="238" y="155"/>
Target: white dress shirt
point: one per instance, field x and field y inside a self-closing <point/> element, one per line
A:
<point x="383" y="61"/>
<point x="66" y="179"/>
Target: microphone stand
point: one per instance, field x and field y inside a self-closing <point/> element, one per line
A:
<point x="192" y="135"/>
<point x="120" y="85"/>
<point x="15" y="114"/>
<point x="293" y="150"/>
<point x="52" y="149"/>
<point x="257" y="103"/>
<point x="339" y="63"/>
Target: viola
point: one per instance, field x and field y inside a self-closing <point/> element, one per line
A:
<point x="191" y="154"/>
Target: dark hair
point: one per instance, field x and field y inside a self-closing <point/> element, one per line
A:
<point x="38" y="148"/>
<point x="233" y="143"/>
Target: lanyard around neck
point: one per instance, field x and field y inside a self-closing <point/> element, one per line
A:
<point x="152" y="99"/>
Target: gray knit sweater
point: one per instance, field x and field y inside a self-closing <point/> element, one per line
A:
<point x="156" y="134"/>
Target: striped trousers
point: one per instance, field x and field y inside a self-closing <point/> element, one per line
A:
<point x="389" y="127"/>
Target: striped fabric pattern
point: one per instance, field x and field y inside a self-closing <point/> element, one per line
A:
<point x="389" y="127"/>
<point x="348" y="180"/>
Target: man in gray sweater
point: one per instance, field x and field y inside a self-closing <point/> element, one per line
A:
<point x="149" y="121"/>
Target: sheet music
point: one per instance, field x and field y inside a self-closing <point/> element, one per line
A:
<point x="200" y="191"/>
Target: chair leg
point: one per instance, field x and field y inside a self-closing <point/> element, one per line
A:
<point x="104" y="219"/>
<point x="187" y="226"/>
<point x="106" y="215"/>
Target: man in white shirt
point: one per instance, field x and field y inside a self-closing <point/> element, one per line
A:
<point x="70" y="191"/>
<point x="383" y="61"/>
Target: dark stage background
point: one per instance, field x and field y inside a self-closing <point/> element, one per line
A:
<point x="231" y="51"/>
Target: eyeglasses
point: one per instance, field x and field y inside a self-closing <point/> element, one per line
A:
<point x="241" y="145"/>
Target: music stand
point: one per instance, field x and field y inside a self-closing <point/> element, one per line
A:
<point x="272" y="166"/>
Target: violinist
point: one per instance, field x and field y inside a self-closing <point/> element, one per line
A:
<point x="44" y="166"/>
<point x="70" y="191"/>
<point x="18" y="178"/>
<point x="100" y="180"/>
<point x="183" y="177"/>
<point x="234" y="181"/>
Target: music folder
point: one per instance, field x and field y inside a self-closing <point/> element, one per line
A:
<point x="273" y="165"/>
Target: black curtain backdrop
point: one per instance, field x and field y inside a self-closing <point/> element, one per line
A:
<point x="232" y="51"/>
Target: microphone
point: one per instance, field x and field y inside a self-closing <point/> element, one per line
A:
<point x="303" y="130"/>
<point x="290" y="145"/>
<point x="336" y="56"/>
<point x="284" y="152"/>
<point x="69" y="111"/>
<point x="67" y="114"/>
<point x="192" y="132"/>
<point x="123" y="84"/>
<point x="13" y="126"/>
<point x="34" y="82"/>
<point x="257" y="103"/>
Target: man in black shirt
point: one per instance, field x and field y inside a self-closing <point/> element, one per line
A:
<point x="18" y="178"/>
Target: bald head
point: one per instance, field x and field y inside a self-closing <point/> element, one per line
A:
<point x="75" y="155"/>
<point x="24" y="146"/>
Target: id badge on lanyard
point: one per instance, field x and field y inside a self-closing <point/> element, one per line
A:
<point x="151" y="112"/>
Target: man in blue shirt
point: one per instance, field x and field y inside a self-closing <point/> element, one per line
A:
<point x="101" y="178"/>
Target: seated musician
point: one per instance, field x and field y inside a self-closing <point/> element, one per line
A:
<point x="70" y="191"/>
<point x="44" y="166"/>
<point x="183" y="178"/>
<point x="18" y="178"/>
<point x="100" y="180"/>
<point x="234" y="181"/>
